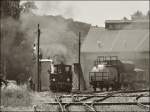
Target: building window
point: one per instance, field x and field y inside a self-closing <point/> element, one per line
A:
<point x="100" y="44"/>
<point x="110" y="26"/>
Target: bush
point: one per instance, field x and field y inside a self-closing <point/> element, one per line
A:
<point x="14" y="95"/>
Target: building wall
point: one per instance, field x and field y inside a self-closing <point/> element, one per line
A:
<point x="45" y="76"/>
<point x="141" y="60"/>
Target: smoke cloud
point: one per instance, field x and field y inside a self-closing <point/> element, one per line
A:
<point x="59" y="39"/>
<point x="16" y="49"/>
<point x="56" y="37"/>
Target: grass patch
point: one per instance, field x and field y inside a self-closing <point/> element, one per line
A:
<point x="14" y="95"/>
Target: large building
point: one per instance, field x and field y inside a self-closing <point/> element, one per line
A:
<point x="127" y="39"/>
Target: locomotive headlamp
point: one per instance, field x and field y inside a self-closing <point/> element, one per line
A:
<point x="68" y="79"/>
<point x="53" y="79"/>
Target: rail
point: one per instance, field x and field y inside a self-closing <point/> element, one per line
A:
<point x="59" y="101"/>
<point x="140" y="104"/>
<point x="90" y="105"/>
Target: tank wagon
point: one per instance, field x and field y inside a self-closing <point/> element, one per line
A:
<point x="60" y="77"/>
<point x="106" y="73"/>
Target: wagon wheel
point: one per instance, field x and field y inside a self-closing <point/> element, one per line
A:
<point x="101" y="87"/>
<point x="114" y="87"/>
<point x="94" y="88"/>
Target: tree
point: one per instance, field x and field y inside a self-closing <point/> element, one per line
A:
<point x="148" y="14"/>
<point x="138" y="15"/>
<point x="125" y="18"/>
<point x="16" y="44"/>
<point x="10" y="8"/>
<point x="28" y="6"/>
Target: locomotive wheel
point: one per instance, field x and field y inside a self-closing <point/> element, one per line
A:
<point x="107" y="88"/>
<point x="69" y="89"/>
<point x="94" y="88"/>
<point x="118" y="86"/>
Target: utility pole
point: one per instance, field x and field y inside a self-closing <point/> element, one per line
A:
<point x="38" y="61"/>
<point x="79" y="59"/>
<point x="0" y="54"/>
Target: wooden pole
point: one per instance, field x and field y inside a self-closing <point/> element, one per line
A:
<point x="79" y="58"/>
<point x="38" y="62"/>
<point x="1" y="55"/>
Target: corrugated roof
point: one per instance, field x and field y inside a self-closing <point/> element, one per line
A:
<point x="99" y="40"/>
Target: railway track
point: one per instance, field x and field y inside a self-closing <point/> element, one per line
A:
<point x="100" y="93"/>
<point x="140" y="104"/>
<point x="79" y="100"/>
<point x="86" y="105"/>
<point x="59" y="102"/>
<point x="93" y="109"/>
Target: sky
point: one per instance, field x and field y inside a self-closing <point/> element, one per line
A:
<point x="92" y="12"/>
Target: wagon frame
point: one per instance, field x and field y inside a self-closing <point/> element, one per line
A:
<point x="108" y="61"/>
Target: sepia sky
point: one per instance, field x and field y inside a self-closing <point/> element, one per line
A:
<point x="93" y="12"/>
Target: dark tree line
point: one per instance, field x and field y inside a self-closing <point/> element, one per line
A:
<point x="16" y="49"/>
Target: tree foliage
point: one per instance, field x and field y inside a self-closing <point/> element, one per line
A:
<point x="28" y="7"/>
<point x="138" y="15"/>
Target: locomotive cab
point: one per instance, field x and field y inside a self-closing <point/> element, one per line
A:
<point x="61" y="78"/>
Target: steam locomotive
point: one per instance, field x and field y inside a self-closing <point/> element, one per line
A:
<point x="106" y="73"/>
<point x="60" y="76"/>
